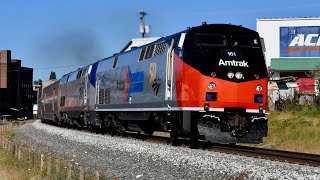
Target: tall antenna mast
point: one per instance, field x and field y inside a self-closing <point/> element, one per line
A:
<point x="143" y="28"/>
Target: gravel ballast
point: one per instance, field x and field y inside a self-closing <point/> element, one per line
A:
<point x="137" y="159"/>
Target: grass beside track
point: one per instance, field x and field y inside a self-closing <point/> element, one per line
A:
<point x="296" y="130"/>
<point x="12" y="169"/>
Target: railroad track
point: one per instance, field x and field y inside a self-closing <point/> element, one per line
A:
<point x="269" y="154"/>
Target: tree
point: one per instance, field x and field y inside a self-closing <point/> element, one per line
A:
<point x="52" y="75"/>
<point x="38" y="82"/>
<point x="315" y="74"/>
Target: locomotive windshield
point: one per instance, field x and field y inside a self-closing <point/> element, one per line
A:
<point x="210" y="40"/>
<point x="219" y="51"/>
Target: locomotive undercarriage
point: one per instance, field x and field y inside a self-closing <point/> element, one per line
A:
<point x="140" y="122"/>
<point x="230" y="126"/>
<point x="233" y="126"/>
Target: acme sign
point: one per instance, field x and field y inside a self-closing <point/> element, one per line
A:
<point x="300" y="41"/>
<point x="233" y="63"/>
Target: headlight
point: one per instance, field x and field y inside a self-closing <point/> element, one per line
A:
<point x="259" y="87"/>
<point x="239" y="75"/>
<point x="230" y="74"/>
<point x="211" y="85"/>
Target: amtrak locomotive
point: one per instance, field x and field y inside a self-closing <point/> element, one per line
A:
<point x="207" y="82"/>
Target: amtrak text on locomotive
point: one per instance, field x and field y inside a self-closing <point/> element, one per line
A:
<point x="233" y="63"/>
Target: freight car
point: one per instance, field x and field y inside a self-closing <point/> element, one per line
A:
<point x="207" y="82"/>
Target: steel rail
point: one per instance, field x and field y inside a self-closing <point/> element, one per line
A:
<point x="262" y="153"/>
<point x="270" y="154"/>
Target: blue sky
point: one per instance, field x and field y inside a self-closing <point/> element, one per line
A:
<point x="57" y="35"/>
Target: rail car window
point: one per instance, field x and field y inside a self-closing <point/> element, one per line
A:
<point x="210" y="40"/>
<point x="64" y="79"/>
<point x="245" y="41"/>
<point x="73" y="76"/>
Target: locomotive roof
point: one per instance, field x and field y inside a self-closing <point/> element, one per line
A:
<point x="143" y="42"/>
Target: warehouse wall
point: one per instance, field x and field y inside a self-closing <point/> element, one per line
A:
<point x="269" y="30"/>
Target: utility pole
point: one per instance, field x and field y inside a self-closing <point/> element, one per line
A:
<point x="143" y="29"/>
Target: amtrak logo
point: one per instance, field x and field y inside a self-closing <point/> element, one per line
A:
<point x="233" y="63"/>
<point x="156" y="87"/>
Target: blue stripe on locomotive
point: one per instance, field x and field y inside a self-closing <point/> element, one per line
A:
<point x="92" y="76"/>
<point x="136" y="82"/>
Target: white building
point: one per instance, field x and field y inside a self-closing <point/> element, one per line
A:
<point x="271" y="31"/>
<point x="292" y="49"/>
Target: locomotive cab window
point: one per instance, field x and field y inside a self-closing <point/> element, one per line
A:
<point x="245" y="41"/>
<point x="210" y="40"/>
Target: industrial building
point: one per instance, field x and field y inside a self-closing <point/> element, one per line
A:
<point x="16" y="93"/>
<point x="292" y="49"/>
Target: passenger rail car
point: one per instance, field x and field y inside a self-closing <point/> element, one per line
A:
<point x="48" y="107"/>
<point x="77" y="97"/>
<point x="207" y="82"/>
